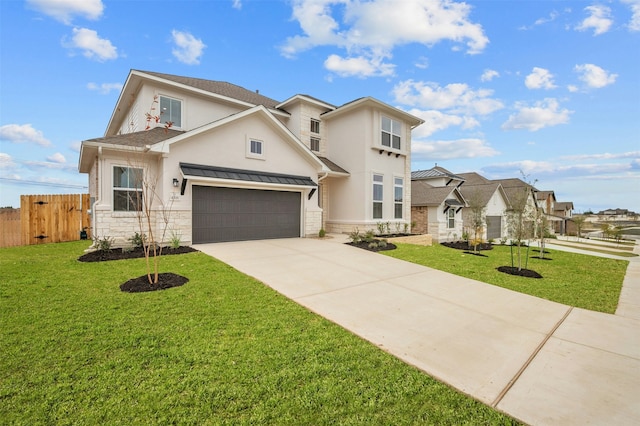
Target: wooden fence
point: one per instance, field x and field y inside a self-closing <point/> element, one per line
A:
<point x="10" y="235"/>
<point x="52" y="218"/>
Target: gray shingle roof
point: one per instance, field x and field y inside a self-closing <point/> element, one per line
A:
<point x="331" y="165"/>
<point x="483" y="192"/>
<point x="423" y="194"/>
<point x="139" y="139"/>
<point x="473" y="178"/>
<point x="220" y="88"/>
<point x="197" y="170"/>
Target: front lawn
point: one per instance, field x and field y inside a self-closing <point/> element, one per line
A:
<point x="222" y="349"/>
<point x="578" y="280"/>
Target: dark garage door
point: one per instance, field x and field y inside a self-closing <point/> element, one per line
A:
<point x="232" y="214"/>
<point x="494" y="225"/>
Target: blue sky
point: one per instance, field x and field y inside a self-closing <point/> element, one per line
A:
<point x="550" y="89"/>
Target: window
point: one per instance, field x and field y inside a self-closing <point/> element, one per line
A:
<point x="377" y="196"/>
<point x="391" y="130"/>
<point x="451" y="222"/>
<point x="127" y="189"/>
<point x="171" y="110"/>
<point x="256" y="147"/>
<point x="315" y="144"/>
<point x="398" y="194"/>
<point x="315" y="126"/>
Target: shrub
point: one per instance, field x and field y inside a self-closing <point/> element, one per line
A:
<point x="380" y="226"/>
<point x="369" y="236"/>
<point x="103" y="243"/>
<point x="138" y="240"/>
<point x="355" y="236"/>
<point x="174" y="241"/>
<point x="322" y="233"/>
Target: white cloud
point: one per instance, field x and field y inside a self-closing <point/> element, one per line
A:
<point x="188" y="48"/>
<point x="50" y="165"/>
<point x="358" y="66"/>
<point x="543" y="114"/>
<point x="599" y="19"/>
<point x="489" y="75"/>
<point x="572" y="88"/>
<point x="373" y="29"/>
<point x="455" y="97"/>
<point x="23" y="133"/>
<point x="57" y="158"/>
<point x="604" y="156"/>
<point x="104" y="88"/>
<point x="6" y="161"/>
<point x="64" y="10"/>
<point x="75" y="146"/>
<point x="539" y="78"/>
<point x="92" y="46"/>
<point x="237" y="4"/>
<point x="435" y="121"/>
<point x="450" y="150"/>
<point x="634" y="24"/>
<point x="594" y="76"/>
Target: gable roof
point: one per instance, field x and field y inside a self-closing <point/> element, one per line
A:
<point x="372" y="102"/>
<point x="423" y="194"/>
<point x="543" y="195"/>
<point x="564" y="205"/>
<point x="222" y="88"/>
<point x="473" y="178"/>
<point x="434" y="172"/>
<point x="484" y="192"/>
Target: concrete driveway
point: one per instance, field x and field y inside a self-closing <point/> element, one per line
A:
<point x="539" y="361"/>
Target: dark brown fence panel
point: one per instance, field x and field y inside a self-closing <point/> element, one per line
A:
<point x="10" y="228"/>
<point x="53" y="218"/>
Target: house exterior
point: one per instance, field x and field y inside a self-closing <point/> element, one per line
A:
<point x="437" y="204"/>
<point x="217" y="162"/>
<point x="495" y="203"/>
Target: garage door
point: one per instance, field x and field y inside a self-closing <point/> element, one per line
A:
<point x="494" y="226"/>
<point x="232" y="214"/>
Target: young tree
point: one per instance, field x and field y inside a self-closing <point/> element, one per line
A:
<point x="606" y="230"/>
<point x="541" y="229"/>
<point x="579" y="222"/>
<point x="477" y="217"/>
<point x="520" y="219"/>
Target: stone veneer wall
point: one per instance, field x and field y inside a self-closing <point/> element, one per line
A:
<point x="123" y="225"/>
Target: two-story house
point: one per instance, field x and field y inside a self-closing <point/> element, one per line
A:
<point x="216" y="162"/>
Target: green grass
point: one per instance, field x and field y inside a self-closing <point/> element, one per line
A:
<point x="222" y="349"/>
<point x="578" y="280"/>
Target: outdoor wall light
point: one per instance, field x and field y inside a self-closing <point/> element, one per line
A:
<point x="175" y="182"/>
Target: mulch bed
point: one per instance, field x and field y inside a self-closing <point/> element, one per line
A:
<point x="463" y="245"/>
<point x="527" y="273"/>
<point x="136" y="253"/>
<point x="365" y="245"/>
<point x="165" y="280"/>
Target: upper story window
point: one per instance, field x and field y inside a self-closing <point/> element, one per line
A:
<point x="127" y="189"/>
<point x="391" y="130"/>
<point x="171" y="110"/>
<point x="315" y="144"/>
<point x="398" y="195"/>
<point x="315" y="126"/>
<point x="378" y="190"/>
<point x="255" y="148"/>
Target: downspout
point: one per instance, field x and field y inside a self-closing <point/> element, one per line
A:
<point x="98" y="200"/>
<point x="320" y="179"/>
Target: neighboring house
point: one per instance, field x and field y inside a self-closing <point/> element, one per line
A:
<point x="236" y="165"/>
<point x="437" y="203"/>
<point x="493" y="199"/>
<point x="564" y="211"/>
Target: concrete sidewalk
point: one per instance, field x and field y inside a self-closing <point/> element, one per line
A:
<point x="539" y="361"/>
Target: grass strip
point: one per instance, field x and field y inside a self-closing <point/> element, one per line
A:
<point x="577" y="280"/>
<point x="223" y="349"/>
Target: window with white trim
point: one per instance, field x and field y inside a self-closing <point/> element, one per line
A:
<point x="171" y="111"/>
<point x="451" y="220"/>
<point x="378" y="190"/>
<point x="315" y="126"/>
<point x="315" y="144"/>
<point x="390" y="134"/>
<point x="127" y="189"/>
<point x="255" y="148"/>
<point x="398" y="196"/>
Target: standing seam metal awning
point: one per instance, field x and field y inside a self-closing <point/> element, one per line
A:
<point x="200" y="171"/>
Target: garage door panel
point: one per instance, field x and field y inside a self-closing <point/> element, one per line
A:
<point x="233" y="214"/>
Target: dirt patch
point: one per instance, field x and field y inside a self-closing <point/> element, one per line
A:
<point x="527" y="273"/>
<point x="136" y="253"/>
<point x="141" y="284"/>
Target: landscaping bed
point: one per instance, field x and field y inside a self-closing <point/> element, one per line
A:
<point x="135" y="253"/>
<point x="463" y="245"/>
